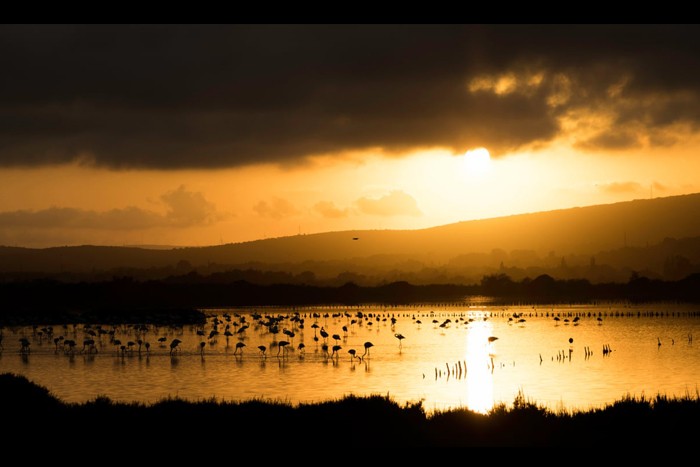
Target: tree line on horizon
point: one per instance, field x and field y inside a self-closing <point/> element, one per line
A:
<point x="50" y="297"/>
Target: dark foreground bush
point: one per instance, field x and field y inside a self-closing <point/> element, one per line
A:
<point x="31" y="413"/>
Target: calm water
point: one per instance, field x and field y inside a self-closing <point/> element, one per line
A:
<point x="445" y="359"/>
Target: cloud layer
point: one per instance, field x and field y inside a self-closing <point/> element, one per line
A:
<point x="396" y="203"/>
<point x="207" y="96"/>
<point x="184" y="209"/>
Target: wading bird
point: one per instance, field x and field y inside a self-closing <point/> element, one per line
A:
<point x="70" y="343"/>
<point x="24" y="346"/>
<point x="174" y="345"/>
<point x="89" y="344"/>
<point x="400" y="337"/>
<point x="367" y="347"/>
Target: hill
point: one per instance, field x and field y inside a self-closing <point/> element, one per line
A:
<point x="619" y="235"/>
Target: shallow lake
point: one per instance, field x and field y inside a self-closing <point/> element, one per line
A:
<point x="560" y="357"/>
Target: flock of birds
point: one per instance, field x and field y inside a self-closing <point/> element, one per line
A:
<point x="129" y="340"/>
<point x="238" y="328"/>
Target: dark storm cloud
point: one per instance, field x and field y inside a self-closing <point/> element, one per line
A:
<point x="166" y="96"/>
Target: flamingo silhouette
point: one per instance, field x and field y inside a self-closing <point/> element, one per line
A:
<point x="400" y="337"/>
<point x="367" y="347"/>
<point x="282" y="346"/>
<point x="90" y="345"/>
<point x="239" y="346"/>
<point x="174" y="345"/>
<point x="71" y="346"/>
<point x="24" y="346"/>
<point x="263" y="349"/>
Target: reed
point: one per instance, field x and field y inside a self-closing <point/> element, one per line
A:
<point x="29" y="408"/>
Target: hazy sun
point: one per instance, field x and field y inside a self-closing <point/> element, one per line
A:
<point x="477" y="161"/>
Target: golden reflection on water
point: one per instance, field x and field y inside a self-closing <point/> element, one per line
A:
<point x="527" y="357"/>
<point x="479" y="360"/>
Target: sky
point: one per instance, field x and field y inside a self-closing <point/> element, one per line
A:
<point x="196" y="135"/>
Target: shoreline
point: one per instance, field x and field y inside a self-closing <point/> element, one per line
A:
<point x="378" y="418"/>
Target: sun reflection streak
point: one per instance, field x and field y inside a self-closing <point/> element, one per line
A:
<point x="479" y="368"/>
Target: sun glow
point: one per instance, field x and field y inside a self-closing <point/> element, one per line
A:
<point x="477" y="162"/>
<point x="480" y="363"/>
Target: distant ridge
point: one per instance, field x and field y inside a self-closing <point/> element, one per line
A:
<point x="580" y="230"/>
<point x="155" y="247"/>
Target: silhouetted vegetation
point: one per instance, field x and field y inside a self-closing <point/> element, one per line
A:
<point x="31" y="411"/>
<point x="176" y="299"/>
<point x="124" y="299"/>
